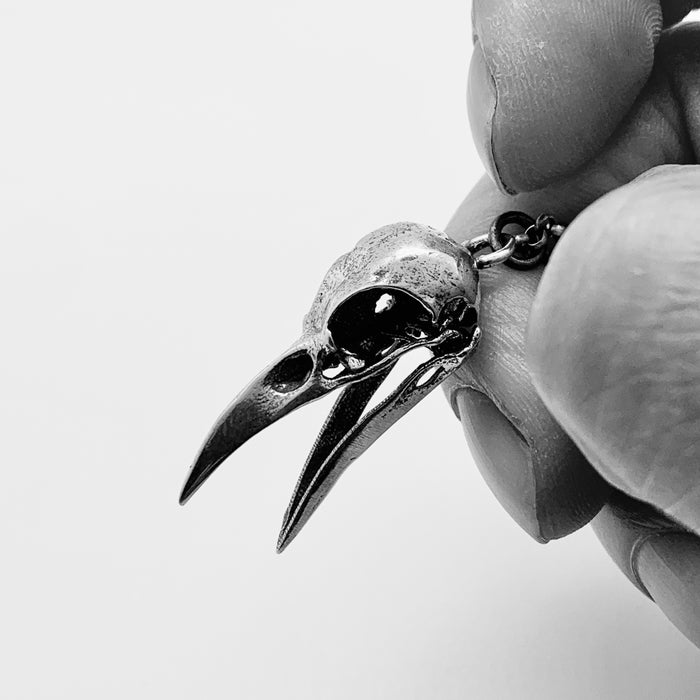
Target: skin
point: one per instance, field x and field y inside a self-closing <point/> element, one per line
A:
<point x="583" y="403"/>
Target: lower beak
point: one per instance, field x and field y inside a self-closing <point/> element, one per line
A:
<point x="347" y="434"/>
<point x="293" y="381"/>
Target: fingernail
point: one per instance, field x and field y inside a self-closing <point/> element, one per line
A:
<point x="482" y="98"/>
<point x="502" y="456"/>
<point x="668" y="564"/>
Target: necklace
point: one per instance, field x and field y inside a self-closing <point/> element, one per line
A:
<point x="404" y="286"/>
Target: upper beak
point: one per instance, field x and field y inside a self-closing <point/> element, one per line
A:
<point x="295" y="380"/>
<point x="291" y="381"/>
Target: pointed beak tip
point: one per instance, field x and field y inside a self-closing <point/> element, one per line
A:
<point x="285" y="537"/>
<point x="191" y="485"/>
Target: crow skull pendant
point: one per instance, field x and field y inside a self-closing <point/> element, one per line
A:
<point x="404" y="286"/>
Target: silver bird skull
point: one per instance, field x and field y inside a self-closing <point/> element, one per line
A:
<point x="404" y="286"/>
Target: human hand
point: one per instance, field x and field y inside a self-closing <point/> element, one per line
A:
<point x="585" y="392"/>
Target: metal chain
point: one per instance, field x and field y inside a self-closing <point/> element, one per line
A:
<point x="523" y="250"/>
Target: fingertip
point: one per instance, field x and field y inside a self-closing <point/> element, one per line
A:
<point x="657" y="556"/>
<point x="503" y="457"/>
<point x="481" y="106"/>
<point x="550" y="82"/>
<point x="622" y="526"/>
<point x="669" y="566"/>
<point x="610" y="339"/>
<point x="528" y="461"/>
<point x="535" y="471"/>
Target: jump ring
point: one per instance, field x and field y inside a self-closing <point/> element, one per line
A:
<point x="500" y="255"/>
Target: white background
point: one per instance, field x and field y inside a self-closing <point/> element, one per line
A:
<point x="175" y="177"/>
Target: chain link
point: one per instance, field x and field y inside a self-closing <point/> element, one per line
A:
<point x="522" y="251"/>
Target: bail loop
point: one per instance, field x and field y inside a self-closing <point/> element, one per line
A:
<point x="522" y="251"/>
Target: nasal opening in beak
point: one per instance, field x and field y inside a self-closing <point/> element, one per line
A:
<point x="349" y="430"/>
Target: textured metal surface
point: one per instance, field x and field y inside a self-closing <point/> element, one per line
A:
<point x="420" y="259"/>
<point x="403" y="287"/>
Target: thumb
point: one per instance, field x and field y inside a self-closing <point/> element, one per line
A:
<point x="614" y="339"/>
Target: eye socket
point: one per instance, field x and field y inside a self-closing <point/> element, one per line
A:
<point x="375" y="321"/>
